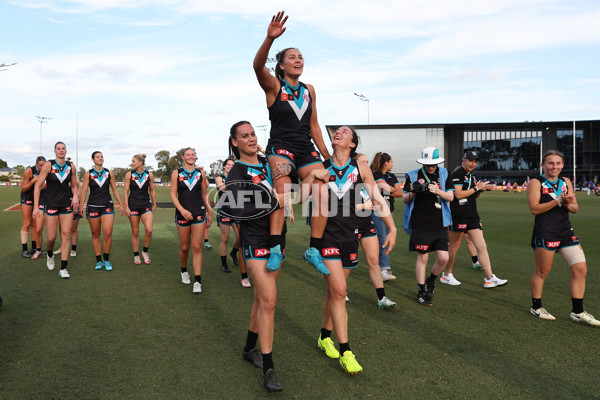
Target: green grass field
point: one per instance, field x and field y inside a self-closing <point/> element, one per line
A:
<point x="138" y="333"/>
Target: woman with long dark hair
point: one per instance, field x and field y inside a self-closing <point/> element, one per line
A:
<point x="100" y="209"/>
<point x="294" y="127"/>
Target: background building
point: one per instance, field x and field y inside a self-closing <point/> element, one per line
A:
<point x="508" y="151"/>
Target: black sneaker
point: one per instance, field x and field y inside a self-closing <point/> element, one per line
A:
<point x="226" y="268"/>
<point x="235" y="259"/>
<point x="271" y="382"/>
<point x="429" y="289"/>
<point x="254" y="356"/>
<point x="423" y="300"/>
<point x="26" y="254"/>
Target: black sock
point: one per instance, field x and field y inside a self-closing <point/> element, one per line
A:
<point x="33" y="244"/>
<point x="475" y="259"/>
<point x="274" y="240"/>
<point x="251" y="339"/>
<point x="106" y="255"/>
<point x="145" y="249"/>
<point x="98" y="258"/>
<point x="205" y="240"/>
<point x="234" y="252"/>
<point x="184" y="269"/>
<point x="344" y="347"/>
<point x="536" y="303"/>
<point x="244" y="275"/>
<point x="24" y="246"/>
<point x="38" y="249"/>
<point x="317" y="243"/>
<point x="63" y="264"/>
<point x="50" y="253"/>
<point x="421" y="287"/>
<point x="325" y="333"/>
<point x="380" y="293"/>
<point x="198" y="278"/>
<point x="431" y="278"/>
<point x="136" y="253"/>
<point x="74" y="247"/>
<point x="577" y="305"/>
<point x="224" y="261"/>
<point x="267" y="361"/>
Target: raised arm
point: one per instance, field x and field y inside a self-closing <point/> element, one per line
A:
<point x="268" y="82"/>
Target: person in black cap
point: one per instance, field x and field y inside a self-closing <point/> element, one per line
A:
<point x="465" y="219"/>
<point x="426" y="194"/>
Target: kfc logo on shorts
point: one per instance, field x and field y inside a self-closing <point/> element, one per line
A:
<point x="51" y="211"/>
<point x="134" y="213"/>
<point x="225" y="219"/>
<point x="285" y="153"/>
<point x="552" y="245"/>
<point x="182" y="221"/>
<point x="331" y="251"/>
<point x="353" y="256"/>
<point x="423" y="247"/>
<point x="261" y="252"/>
<point x="545" y="190"/>
<point x="352" y="178"/>
<point x="462" y="226"/>
<point x="28" y="202"/>
<point x="93" y="214"/>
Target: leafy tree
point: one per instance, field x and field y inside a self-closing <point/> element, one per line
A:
<point x="120" y="174"/>
<point x="216" y="168"/>
<point x="81" y="173"/>
<point x="20" y="170"/>
<point x="163" y="158"/>
<point x="3" y="164"/>
<point x="4" y="178"/>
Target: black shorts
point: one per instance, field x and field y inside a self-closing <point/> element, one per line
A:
<point x="54" y="211"/>
<point x="92" y="212"/>
<point x="196" y="219"/>
<point x="225" y="220"/>
<point x="465" y="224"/>
<point x="554" y="245"/>
<point x="366" y="228"/>
<point x="26" y="199"/>
<point x="138" y="212"/>
<point x="297" y="159"/>
<point x="347" y="252"/>
<point x="425" y="242"/>
<point x="260" y="250"/>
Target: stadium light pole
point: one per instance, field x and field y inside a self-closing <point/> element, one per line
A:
<point x="364" y="98"/>
<point x="43" y="120"/>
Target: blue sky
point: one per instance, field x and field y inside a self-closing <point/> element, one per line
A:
<point x="146" y="75"/>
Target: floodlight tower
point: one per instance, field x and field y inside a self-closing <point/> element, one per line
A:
<point x="42" y="120"/>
